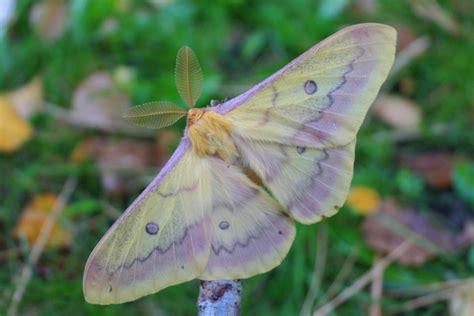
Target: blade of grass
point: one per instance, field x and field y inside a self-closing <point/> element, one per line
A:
<point x="376" y="290"/>
<point x="340" y="278"/>
<point x="318" y="272"/>
<point x="26" y="271"/>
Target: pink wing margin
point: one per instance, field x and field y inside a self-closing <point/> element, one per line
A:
<point x="244" y="97"/>
<point x="172" y="162"/>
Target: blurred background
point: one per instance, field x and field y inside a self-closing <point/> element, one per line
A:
<point x="69" y="164"/>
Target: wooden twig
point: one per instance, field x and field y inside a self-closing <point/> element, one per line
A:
<point x="429" y="288"/>
<point x="363" y="280"/>
<point x="27" y="270"/>
<point x="443" y="294"/>
<point x="221" y="297"/>
<point x="376" y="291"/>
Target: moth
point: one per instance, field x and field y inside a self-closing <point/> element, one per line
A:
<point x="225" y="204"/>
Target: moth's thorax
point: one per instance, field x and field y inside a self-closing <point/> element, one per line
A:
<point x="194" y="115"/>
<point x="209" y="133"/>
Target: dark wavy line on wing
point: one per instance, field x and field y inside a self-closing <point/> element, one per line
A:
<point x="157" y="248"/>
<point x="313" y="177"/>
<point x="339" y="86"/>
<point x="182" y="189"/>
<point x="238" y="243"/>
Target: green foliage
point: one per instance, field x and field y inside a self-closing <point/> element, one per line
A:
<point x="464" y="181"/>
<point x="409" y="184"/>
<point x="238" y="44"/>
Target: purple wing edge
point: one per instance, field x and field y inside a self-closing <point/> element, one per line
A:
<point x="170" y="164"/>
<point x="239" y="100"/>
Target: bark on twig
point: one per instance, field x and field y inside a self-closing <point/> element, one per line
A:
<point x="441" y="295"/>
<point x="221" y="297"/>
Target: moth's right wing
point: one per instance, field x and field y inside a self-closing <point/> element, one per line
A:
<point x="160" y="240"/>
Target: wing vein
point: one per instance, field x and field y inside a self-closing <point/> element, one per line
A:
<point x="317" y="179"/>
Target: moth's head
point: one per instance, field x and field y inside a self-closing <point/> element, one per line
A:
<point x="194" y="115"/>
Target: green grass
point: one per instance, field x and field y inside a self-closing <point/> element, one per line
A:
<point x="238" y="43"/>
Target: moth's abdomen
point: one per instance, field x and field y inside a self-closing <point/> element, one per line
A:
<point x="210" y="136"/>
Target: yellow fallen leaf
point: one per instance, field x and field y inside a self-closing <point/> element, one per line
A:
<point x="364" y="200"/>
<point x="87" y="149"/>
<point x="27" y="99"/>
<point x="14" y="131"/>
<point x="79" y="154"/>
<point x="33" y="217"/>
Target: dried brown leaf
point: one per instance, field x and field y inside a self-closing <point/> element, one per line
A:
<point x="398" y="112"/>
<point x="122" y="163"/>
<point x="98" y="103"/>
<point x="405" y="36"/>
<point x="48" y="18"/>
<point x="392" y="225"/>
<point x="435" y="167"/>
<point x="365" y="7"/>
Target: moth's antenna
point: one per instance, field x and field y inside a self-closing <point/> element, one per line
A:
<point x="188" y="76"/>
<point x="155" y="114"/>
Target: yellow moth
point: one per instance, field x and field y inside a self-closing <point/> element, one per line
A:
<point x="208" y="214"/>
